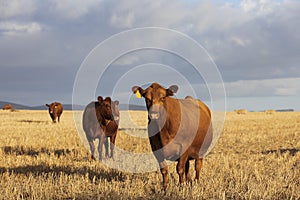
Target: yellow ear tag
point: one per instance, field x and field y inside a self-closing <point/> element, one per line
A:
<point x="138" y="94"/>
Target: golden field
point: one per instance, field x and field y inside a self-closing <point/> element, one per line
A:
<point x="256" y="157"/>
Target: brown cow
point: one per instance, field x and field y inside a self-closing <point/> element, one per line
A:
<point x="98" y="122"/>
<point x="7" y="107"/>
<point x="178" y="129"/>
<point x="55" y="111"/>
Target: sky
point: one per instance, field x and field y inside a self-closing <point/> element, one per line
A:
<point x="250" y="48"/>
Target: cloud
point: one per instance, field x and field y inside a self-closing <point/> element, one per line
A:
<point x="263" y="88"/>
<point x="122" y="21"/>
<point x="255" y="44"/>
<point x="259" y="7"/>
<point x="73" y="9"/>
<point x="240" y="41"/>
<point x="16" y="28"/>
<point x="16" y="8"/>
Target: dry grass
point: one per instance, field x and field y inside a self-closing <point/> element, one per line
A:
<point x="257" y="157"/>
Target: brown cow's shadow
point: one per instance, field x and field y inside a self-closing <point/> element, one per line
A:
<point x="290" y="151"/>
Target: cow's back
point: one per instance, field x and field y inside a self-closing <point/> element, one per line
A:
<point x="59" y="108"/>
<point x="201" y="120"/>
<point x="190" y="121"/>
<point x="205" y="131"/>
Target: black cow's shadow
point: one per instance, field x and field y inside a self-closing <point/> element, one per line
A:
<point x="56" y="171"/>
<point x="290" y="151"/>
<point x="33" y="121"/>
<point x="29" y="151"/>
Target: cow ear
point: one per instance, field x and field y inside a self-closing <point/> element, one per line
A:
<point x="138" y="91"/>
<point x="171" y="90"/>
<point x="47" y="105"/>
<point x="135" y="88"/>
<point x="100" y="99"/>
<point x="108" y="99"/>
<point x="116" y="102"/>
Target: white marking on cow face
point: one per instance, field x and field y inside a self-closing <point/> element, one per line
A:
<point x="154" y="116"/>
<point x="155" y="98"/>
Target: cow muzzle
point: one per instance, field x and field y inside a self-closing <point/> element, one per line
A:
<point x="154" y="115"/>
<point x="157" y="112"/>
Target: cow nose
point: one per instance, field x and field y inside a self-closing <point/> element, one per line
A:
<point x="154" y="112"/>
<point x="154" y="115"/>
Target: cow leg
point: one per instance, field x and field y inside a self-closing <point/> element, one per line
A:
<point x="106" y="147"/>
<point x="181" y="167"/>
<point x="187" y="171"/>
<point x="58" y="118"/>
<point x="156" y="146"/>
<point x="101" y="141"/>
<point x="162" y="164"/>
<point x="112" y="145"/>
<point x="52" y="117"/>
<point x="92" y="147"/>
<point x="91" y="142"/>
<point x="198" y="165"/>
<point x="165" y="174"/>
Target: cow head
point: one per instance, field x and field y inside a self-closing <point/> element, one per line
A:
<point x="52" y="108"/>
<point x="106" y="107"/>
<point x="155" y="97"/>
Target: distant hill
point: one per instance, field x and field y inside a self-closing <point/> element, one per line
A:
<point x="285" y="110"/>
<point x="131" y="107"/>
<point x="40" y="107"/>
<point x="66" y="106"/>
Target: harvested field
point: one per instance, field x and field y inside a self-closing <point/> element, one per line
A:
<point x="256" y="157"/>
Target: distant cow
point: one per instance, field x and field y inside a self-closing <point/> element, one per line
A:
<point x="178" y="129"/>
<point x="7" y="107"/>
<point x="99" y="122"/>
<point x="241" y="111"/>
<point x="55" y="111"/>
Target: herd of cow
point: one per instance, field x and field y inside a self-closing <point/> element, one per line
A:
<point x="178" y="129"/>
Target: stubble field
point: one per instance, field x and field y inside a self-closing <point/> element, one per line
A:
<point x="256" y="157"/>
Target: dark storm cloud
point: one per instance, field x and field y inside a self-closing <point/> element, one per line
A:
<point x="249" y="40"/>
